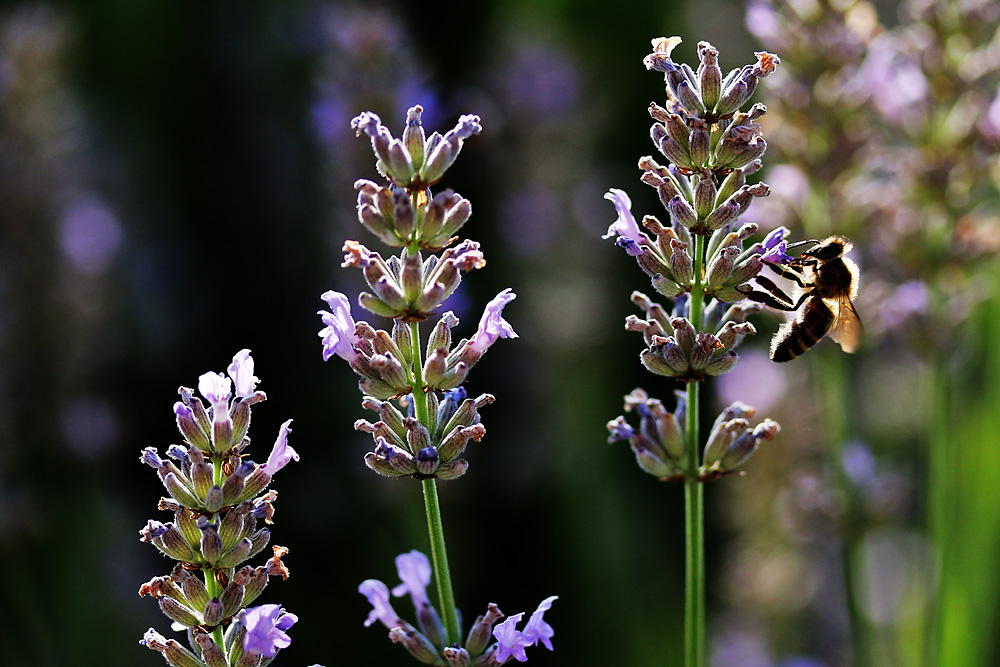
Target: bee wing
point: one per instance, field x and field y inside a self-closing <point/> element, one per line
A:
<point x="847" y="328"/>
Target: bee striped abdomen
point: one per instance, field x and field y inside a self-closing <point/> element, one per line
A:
<point x="812" y="323"/>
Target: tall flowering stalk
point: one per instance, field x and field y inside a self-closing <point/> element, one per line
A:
<point x="217" y="496"/>
<point x="700" y="262"/>
<point x="425" y="418"/>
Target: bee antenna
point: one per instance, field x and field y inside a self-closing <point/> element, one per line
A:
<point x="803" y="242"/>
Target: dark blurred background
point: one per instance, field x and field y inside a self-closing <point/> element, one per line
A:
<point x="175" y="185"/>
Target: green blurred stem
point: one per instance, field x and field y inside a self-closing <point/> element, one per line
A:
<point x="435" y="527"/>
<point x="833" y="388"/>
<point x="694" y="500"/>
<point x="941" y="508"/>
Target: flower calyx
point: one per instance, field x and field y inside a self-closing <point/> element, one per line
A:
<point x="405" y="447"/>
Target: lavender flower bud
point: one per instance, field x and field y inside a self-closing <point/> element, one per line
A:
<point x="211" y="543"/>
<point x="705" y="345"/>
<point x="455" y="217"/>
<point x="451" y="469"/>
<point x="211" y="653"/>
<point x="187" y="526"/>
<point x="681" y="212"/>
<point x="190" y="428"/>
<point x="733" y="97"/>
<point x="415" y="643"/>
<point x="690" y="99"/>
<point x="214" y="498"/>
<point x="413" y="135"/>
<point x="722" y="364"/>
<point x="242" y="550"/>
<point x="457" y="657"/>
<point x="681" y="264"/>
<point x="403" y="214"/>
<point x="700" y="145"/>
<point x="181" y="491"/>
<point x="709" y="74"/>
<point x="178" y="612"/>
<point x="678" y="131"/>
<point x="704" y="194"/>
<point x="721" y="267"/>
<point x="721" y="438"/>
<point x="232" y="598"/>
<point x="481" y="632"/>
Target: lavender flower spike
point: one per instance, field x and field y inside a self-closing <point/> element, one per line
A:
<point x="378" y="596"/>
<point x="266" y="625"/>
<point x="492" y="325"/>
<point x="415" y="573"/>
<point x="338" y="334"/>
<point x="281" y="453"/>
<point x="625" y="225"/>
<point x="241" y="372"/>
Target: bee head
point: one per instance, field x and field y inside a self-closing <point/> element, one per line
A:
<point x="830" y="248"/>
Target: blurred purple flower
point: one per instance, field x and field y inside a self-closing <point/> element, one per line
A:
<point x="266" y="625"/>
<point x="910" y="300"/>
<point x="989" y="124"/>
<point x="89" y="234"/>
<point x="893" y="81"/>
<point x="378" y="596"/>
<point x="338" y="334"/>
<point x="625" y="225"/>
<point x="415" y="572"/>
<point x="492" y="326"/>
<point x="281" y="453"/>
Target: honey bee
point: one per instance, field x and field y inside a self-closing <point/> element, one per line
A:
<point x="829" y="283"/>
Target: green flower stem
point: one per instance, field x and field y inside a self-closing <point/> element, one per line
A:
<point x="214" y="592"/>
<point x="435" y="527"/>
<point x="439" y="560"/>
<point x="694" y="499"/>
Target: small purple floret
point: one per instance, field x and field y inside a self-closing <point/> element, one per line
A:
<point x="281" y="453"/>
<point x="241" y="371"/>
<point x="378" y="596"/>
<point x="338" y="334"/>
<point x="625" y="225"/>
<point x="415" y="573"/>
<point x="266" y="625"/>
<point x="492" y="326"/>
<point x="216" y="388"/>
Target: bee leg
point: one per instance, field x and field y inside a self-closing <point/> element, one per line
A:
<point x="773" y="289"/>
<point x="790" y="273"/>
<point x="773" y="297"/>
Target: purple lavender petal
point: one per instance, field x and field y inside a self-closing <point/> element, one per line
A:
<point x="625" y="225"/>
<point x="241" y="372"/>
<point x="510" y="641"/>
<point x="281" y="453"/>
<point x="265" y="630"/>
<point x="378" y="596"/>
<point x="415" y="572"/>
<point x="492" y="326"/>
<point x="338" y="334"/>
